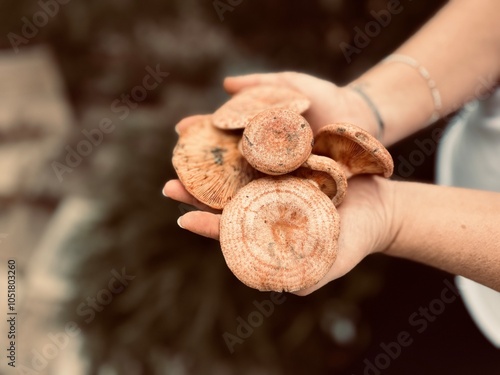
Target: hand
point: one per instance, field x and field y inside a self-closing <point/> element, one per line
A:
<point x="329" y="103"/>
<point x="366" y="215"/>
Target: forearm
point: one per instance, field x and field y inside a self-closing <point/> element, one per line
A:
<point x="459" y="47"/>
<point x="456" y="230"/>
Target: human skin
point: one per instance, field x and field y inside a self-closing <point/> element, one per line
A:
<point x="459" y="47"/>
<point x="456" y="230"/>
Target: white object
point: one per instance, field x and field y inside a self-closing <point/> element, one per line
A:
<point x="469" y="156"/>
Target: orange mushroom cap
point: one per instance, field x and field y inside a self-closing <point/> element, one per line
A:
<point x="209" y="164"/>
<point x="277" y="141"/>
<point x="280" y="234"/>
<point x="242" y="107"/>
<point x="354" y="149"/>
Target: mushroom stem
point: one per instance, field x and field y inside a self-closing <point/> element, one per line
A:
<point x="347" y="171"/>
<point x="327" y="175"/>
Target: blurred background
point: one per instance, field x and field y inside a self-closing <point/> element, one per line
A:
<point x="107" y="283"/>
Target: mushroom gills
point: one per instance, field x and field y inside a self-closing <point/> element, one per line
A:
<point x="209" y="164"/>
<point x="354" y="149"/>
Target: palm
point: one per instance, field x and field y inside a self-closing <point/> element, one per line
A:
<point x="363" y="214"/>
<point x="364" y="223"/>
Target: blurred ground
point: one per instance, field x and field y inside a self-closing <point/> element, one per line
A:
<point x="105" y="274"/>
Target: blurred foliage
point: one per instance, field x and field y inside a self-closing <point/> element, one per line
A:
<point x="172" y="317"/>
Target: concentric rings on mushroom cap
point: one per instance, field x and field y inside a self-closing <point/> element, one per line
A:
<point x="280" y="234"/>
<point x="209" y="164"/>
<point x="354" y="148"/>
<point x="242" y="107"/>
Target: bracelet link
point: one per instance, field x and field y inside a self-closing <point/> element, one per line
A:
<point x="424" y="73"/>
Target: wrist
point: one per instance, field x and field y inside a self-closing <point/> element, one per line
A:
<point x="357" y="111"/>
<point x="390" y="215"/>
<point x="373" y="109"/>
<point x="372" y="208"/>
<point x="398" y="208"/>
<point x="401" y="96"/>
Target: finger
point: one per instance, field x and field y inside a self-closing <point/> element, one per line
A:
<point x="235" y="84"/>
<point x="202" y="223"/>
<point x="188" y="121"/>
<point x="175" y="190"/>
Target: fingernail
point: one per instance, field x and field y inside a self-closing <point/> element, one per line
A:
<point x="176" y="130"/>
<point x="179" y="222"/>
<point x="164" y="194"/>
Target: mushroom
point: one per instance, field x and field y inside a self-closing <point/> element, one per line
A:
<point x="325" y="174"/>
<point x="277" y="141"/>
<point x="279" y="233"/>
<point x="209" y="164"/>
<point x="280" y="141"/>
<point x="241" y="108"/>
<point x="354" y="149"/>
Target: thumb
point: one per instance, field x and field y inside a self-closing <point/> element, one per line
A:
<point x="235" y="84"/>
